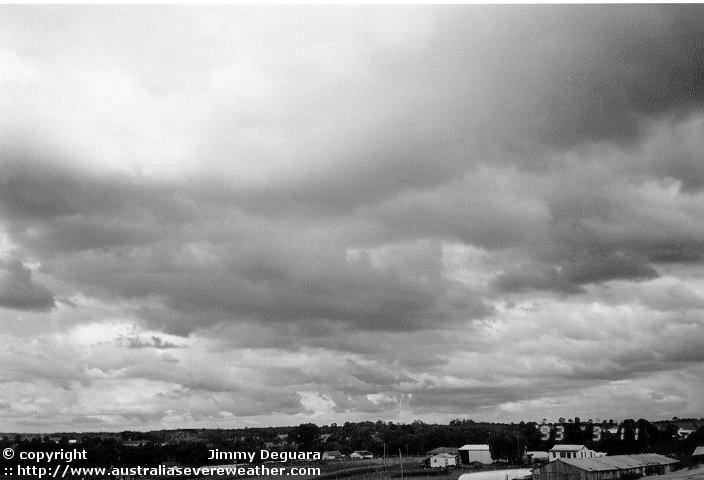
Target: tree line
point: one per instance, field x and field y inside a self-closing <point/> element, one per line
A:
<point x="507" y="442"/>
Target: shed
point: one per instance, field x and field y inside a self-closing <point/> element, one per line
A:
<point x="471" y="453"/>
<point x="443" y="460"/>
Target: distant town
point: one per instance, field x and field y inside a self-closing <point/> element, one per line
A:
<point x="565" y="449"/>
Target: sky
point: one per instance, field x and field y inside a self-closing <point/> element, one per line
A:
<point x="248" y="216"/>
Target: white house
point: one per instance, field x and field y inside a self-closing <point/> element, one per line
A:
<point x="443" y="460"/>
<point x="471" y="453"/>
<point x="572" y="451"/>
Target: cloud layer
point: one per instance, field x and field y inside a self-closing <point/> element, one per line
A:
<point x="211" y="216"/>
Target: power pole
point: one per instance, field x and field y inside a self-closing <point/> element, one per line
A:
<point x="400" y="456"/>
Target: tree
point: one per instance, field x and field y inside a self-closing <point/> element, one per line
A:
<point x="507" y="446"/>
<point x="306" y="436"/>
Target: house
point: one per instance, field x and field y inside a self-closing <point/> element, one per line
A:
<point x="699" y="451"/>
<point x="572" y="451"/>
<point x="361" y="454"/>
<point x="471" y="453"/>
<point x="605" y="468"/>
<point x="443" y="460"/>
<point x="331" y="455"/>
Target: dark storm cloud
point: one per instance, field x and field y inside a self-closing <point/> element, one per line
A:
<point x="52" y="206"/>
<point x="420" y="181"/>
<point x="535" y="277"/>
<point x="374" y="375"/>
<point x="19" y="291"/>
<point x="569" y="277"/>
<point x="636" y="62"/>
<point x="546" y="78"/>
<point x="126" y="236"/>
<point x="577" y="74"/>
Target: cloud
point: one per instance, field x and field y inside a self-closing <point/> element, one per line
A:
<point x="391" y="212"/>
<point x="570" y="276"/>
<point x="152" y="342"/>
<point x="19" y="291"/>
<point x="101" y="225"/>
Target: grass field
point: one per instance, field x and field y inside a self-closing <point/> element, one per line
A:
<point x="371" y="469"/>
<point x="380" y="469"/>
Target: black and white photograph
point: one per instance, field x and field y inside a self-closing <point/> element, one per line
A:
<point x="354" y="241"/>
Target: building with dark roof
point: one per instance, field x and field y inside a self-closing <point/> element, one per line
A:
<point x="605" y="468"/>
<point x="439" y="450"/>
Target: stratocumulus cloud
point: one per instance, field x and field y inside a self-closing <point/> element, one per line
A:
<point x="215" y="216"/>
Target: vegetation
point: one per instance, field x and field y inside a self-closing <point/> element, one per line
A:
<point x="507" y="442"/>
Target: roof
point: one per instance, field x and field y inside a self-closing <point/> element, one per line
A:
<point x="691" y="424"/>
<point x="537" y="454"/>
<point x="567" y="448"/>
<point x="510" y="474"/>
<point x="693" y="474"/>
<point x="698" y="451"/>
<point x="434" y="451"/>
<point x="444" y="455"/>
<point x="618" y="462"/>
<point x="474" y="446"/>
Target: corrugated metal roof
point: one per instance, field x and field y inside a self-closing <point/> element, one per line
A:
<point x="537" y="454"/>
<point x="474" y="446"/>
<point x="434" y="451"/>
<point x="567" y="448"/>
<point x="618" y="462"/>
